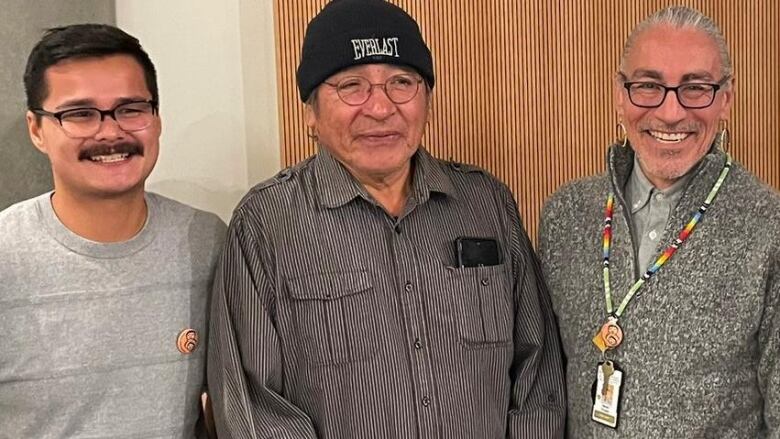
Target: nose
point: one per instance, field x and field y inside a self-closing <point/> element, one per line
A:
<point x="109" y="128"/>
<point x="379" y="106"/>
<point x="671" y="111"/>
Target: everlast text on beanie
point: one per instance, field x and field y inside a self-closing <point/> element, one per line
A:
<point x="347" y="33"/>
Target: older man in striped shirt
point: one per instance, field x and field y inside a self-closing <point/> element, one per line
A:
<point x="373" y="291"/>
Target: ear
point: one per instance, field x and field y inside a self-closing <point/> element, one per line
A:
<point x="428" y="105"/>
<point x="727" y="100"/>
<point x="618" y="95"/>
<point x="310" y="116"/>
<point x="159" y="123"/>
<point x="35" y="130"/>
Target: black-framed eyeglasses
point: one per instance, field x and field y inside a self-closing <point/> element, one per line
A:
<point x="355" y="90"/>
<point x="691" y="95"/>
<point x="85" y="122"/>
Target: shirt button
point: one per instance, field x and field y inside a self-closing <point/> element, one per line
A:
<point x="485" y="281"/>
<point x="659" y="197"/>
<point x="284" y="174"/>
<point x="426" y="401"/>
<point x="417" y="344"/>
<point x="408" y="287"/>
<point x="653" y="234"/>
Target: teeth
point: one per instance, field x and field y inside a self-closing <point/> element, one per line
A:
<point x="669" y="137"/>
<point x="110" y="158"/>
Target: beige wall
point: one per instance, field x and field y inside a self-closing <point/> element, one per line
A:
<point x="217" y="80"/>
<point x="523" y="86"/>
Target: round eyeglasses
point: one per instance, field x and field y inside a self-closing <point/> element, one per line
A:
<point x="691" y="95"/>
<point x="85" y="122"/>
<point x="355" y="90"/>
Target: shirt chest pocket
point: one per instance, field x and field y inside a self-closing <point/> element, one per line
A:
<point x="481" y="304"/>
<point x="332" y="316"/>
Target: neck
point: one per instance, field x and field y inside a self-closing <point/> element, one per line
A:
<point x="98" y="219"/>
<point x="390" y="191"/>
<point x="661" y="183"/>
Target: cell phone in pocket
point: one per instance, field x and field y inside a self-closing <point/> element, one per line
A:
<point x="475" y="252"/>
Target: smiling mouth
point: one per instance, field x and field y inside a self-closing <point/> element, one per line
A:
<point x="668" y="137"/>
<point x="380" y="135"/>
<point x="111" y="154"/>
<point x="110" y="158"/>
<point x="380" y="139"/>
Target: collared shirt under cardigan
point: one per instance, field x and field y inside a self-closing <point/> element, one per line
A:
<point x="650" y="209"/>
<point x="332" y="319"/>
<point x="702" y="336"/>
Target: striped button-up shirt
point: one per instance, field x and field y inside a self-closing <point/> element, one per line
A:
<point x="333" y="319"/>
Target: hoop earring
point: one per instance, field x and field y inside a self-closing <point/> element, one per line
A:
<point x="310" y="133"/>
<point x="724" y="137"/>
<point x="622" y="134"/>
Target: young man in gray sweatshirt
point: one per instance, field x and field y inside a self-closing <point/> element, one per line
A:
<point x="103" y="286"/>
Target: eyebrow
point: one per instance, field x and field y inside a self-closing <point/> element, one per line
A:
<point x="90" y="103"/>
<point x="697" y="76"/>
<point x="656" y="75"/>
<point x="648" y="74"/>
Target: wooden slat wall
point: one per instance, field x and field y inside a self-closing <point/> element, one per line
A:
<point x="523" y="86"/>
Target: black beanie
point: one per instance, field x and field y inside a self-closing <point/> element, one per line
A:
<point x="347" y="33"/>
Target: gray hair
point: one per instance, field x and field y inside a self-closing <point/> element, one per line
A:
<point x="682" y="17"/>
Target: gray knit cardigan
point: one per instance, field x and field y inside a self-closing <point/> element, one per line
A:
<point x="700" y="354"/>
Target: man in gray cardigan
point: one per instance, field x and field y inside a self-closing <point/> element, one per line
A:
<point x="664" y="271"/>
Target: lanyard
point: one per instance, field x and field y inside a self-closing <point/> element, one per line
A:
<point x="667" y="254"/>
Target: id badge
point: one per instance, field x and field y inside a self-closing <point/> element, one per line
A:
<point x="607" y="396"/>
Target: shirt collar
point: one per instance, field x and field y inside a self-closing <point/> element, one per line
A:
<point x="639" y="189"/>
<point x="429" y="177"/>
<point x="620" y="162"/>
<point x="337" y="187"/>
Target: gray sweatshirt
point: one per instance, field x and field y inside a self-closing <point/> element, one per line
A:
<point x="88" y="331"/>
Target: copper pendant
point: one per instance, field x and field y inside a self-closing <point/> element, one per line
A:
<point x="611" y="333"/>
<point x="187" y="341"/>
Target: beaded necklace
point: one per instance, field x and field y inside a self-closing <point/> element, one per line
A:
<point x="611" y="335"/>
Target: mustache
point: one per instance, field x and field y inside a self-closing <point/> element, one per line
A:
<point x="130" y="148"/>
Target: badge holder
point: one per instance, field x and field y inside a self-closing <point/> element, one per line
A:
<point x="609" y="378"/>
<point x="606" y="394"/>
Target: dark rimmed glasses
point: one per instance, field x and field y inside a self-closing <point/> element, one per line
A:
<point x="355" y="90"/>
<point x="691" y="95"/>
<point x="85" y="122"/>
